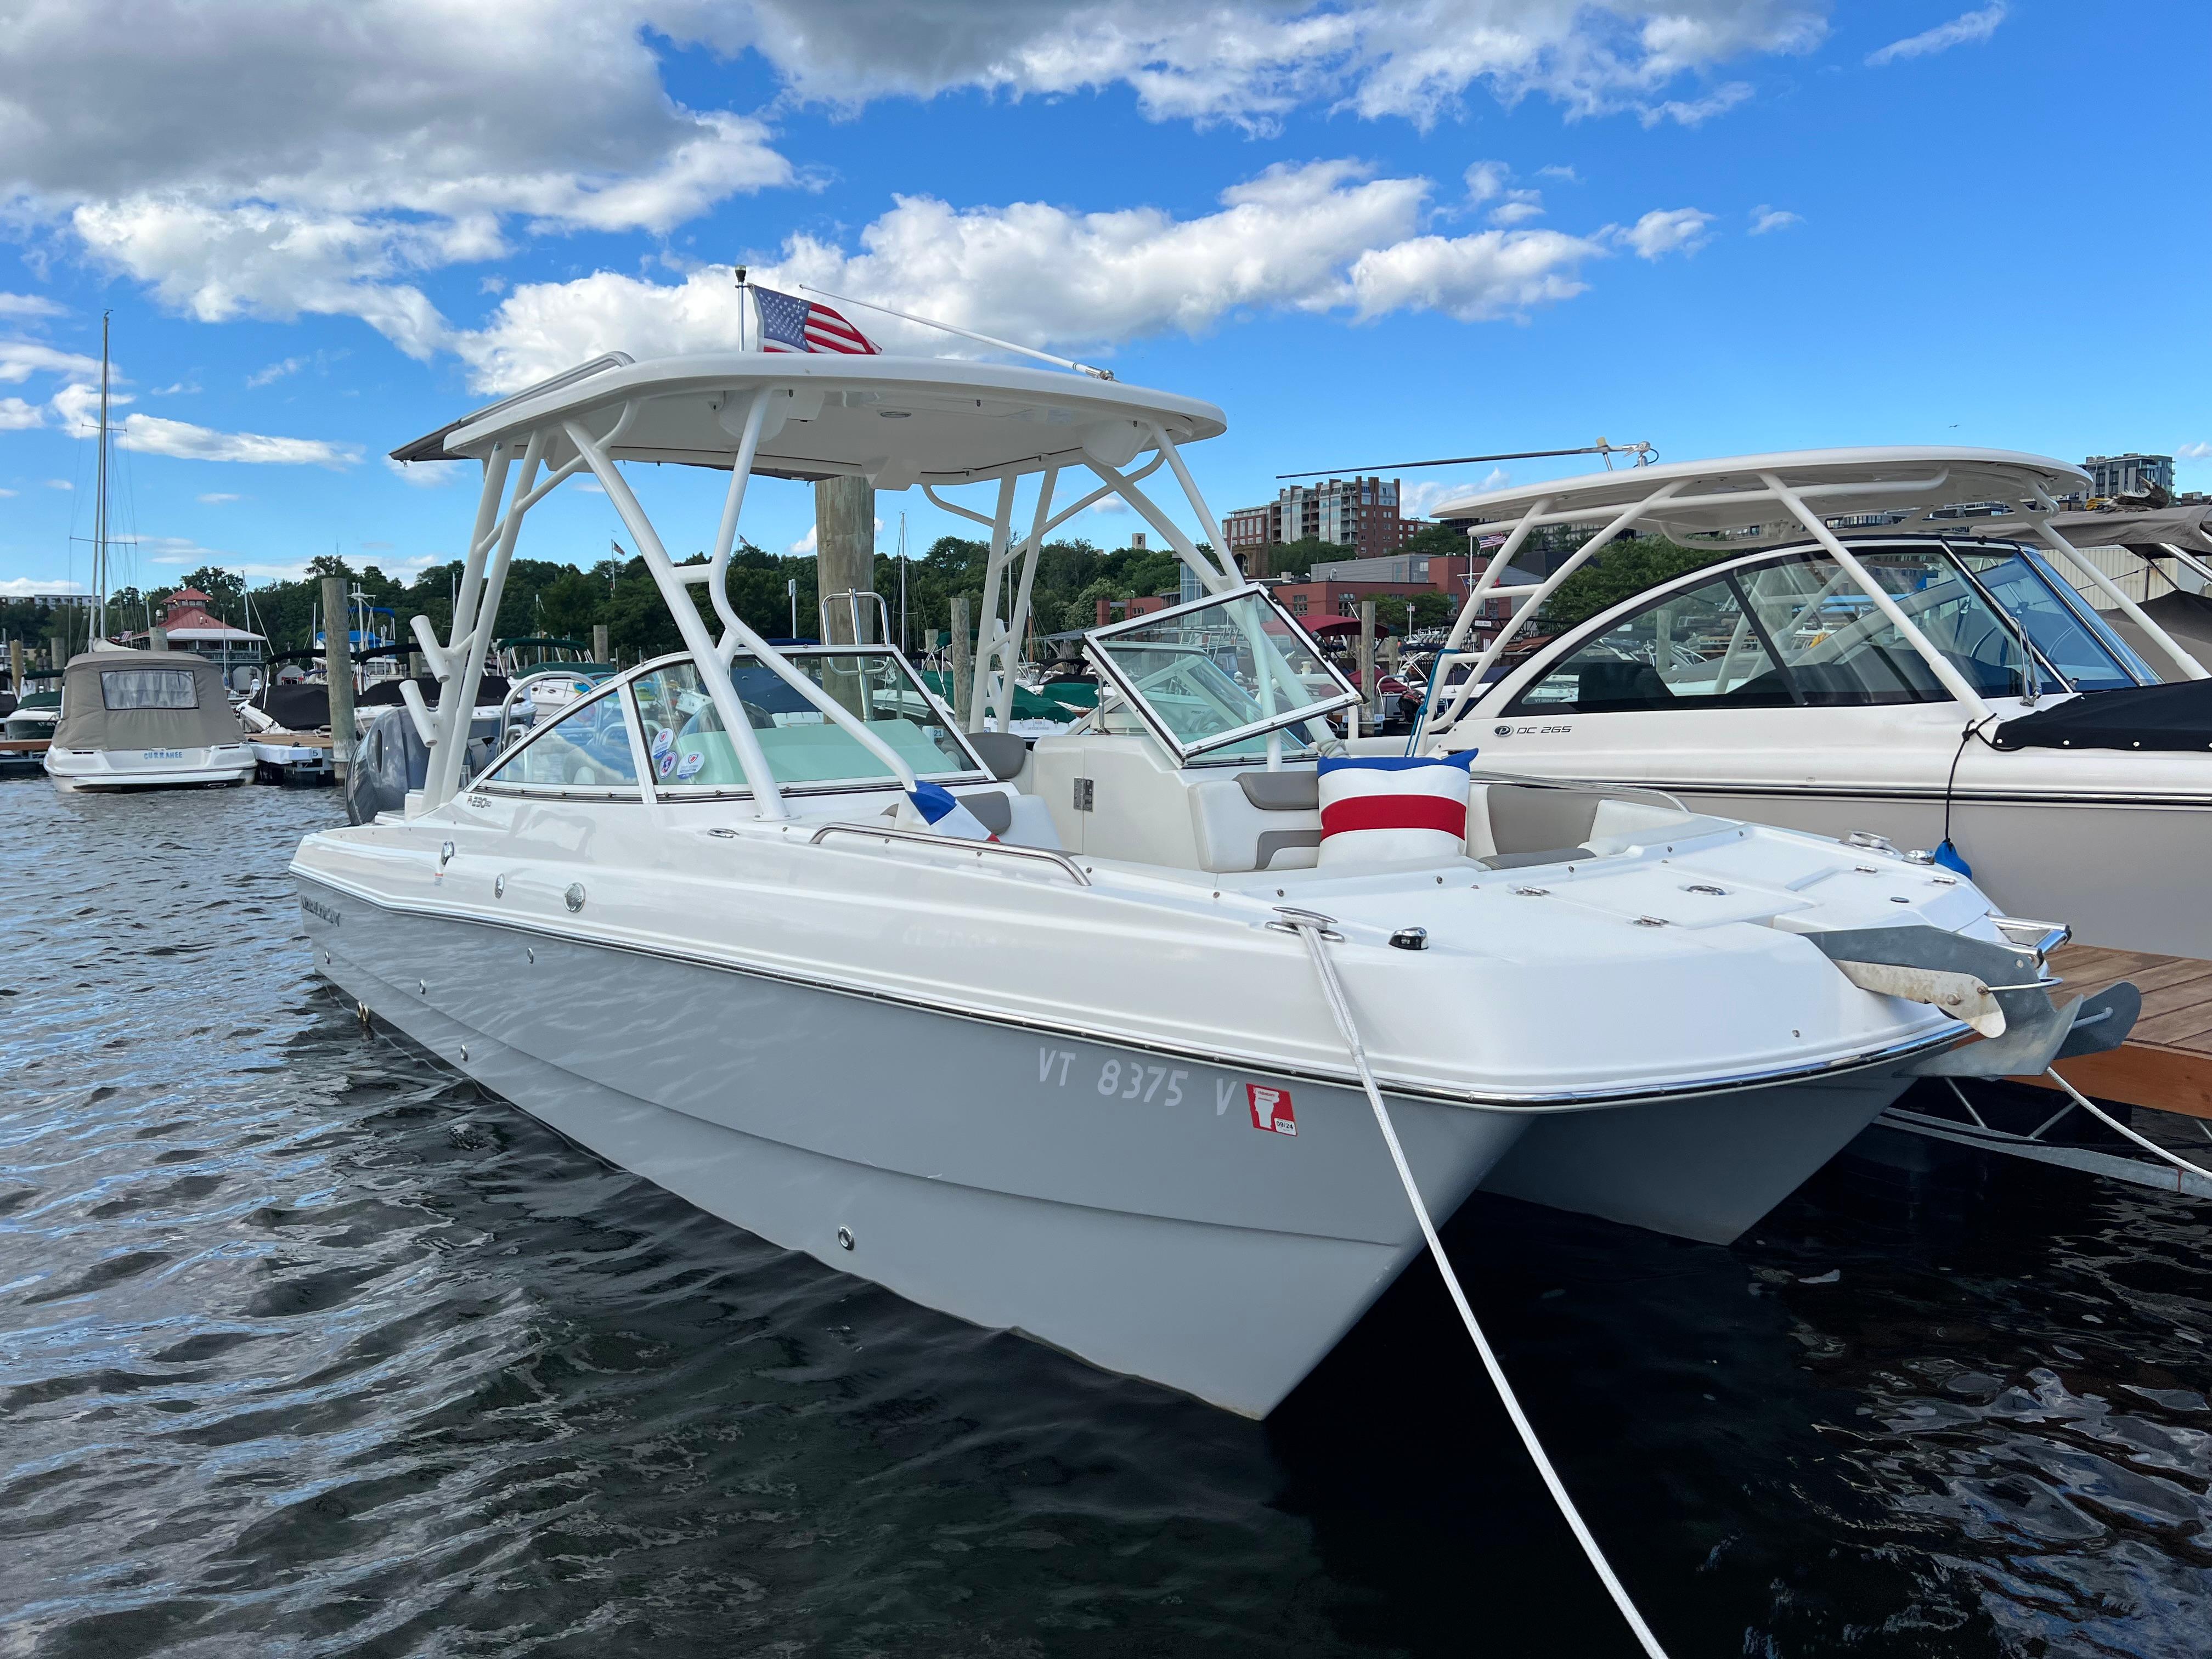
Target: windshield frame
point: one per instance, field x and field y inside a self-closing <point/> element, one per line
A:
<point x="1096" y="641"/>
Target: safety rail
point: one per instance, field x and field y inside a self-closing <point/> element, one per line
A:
<point x="951" y="843"/>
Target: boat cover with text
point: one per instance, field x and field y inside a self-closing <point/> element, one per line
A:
<point x="114" y="700"/>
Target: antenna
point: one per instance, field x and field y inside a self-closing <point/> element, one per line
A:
<point x="964" y="333"/>
<point x="1644" y="453"/>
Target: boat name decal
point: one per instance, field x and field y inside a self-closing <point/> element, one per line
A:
<point x="1531" y="731"/>
<point x="316" y="907"/>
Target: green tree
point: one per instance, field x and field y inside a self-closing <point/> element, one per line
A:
<point x="226" y="587"/>
<point x="1622" y="570"/>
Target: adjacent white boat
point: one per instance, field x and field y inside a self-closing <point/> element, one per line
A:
<point x="1940" y="680"/>
<point x="145" y="720"/>
<point x="1080" y="1081"/>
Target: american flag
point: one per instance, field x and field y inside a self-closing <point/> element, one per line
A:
<point x="791" y="324"/>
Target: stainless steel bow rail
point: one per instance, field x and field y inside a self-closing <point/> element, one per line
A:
<point x="1316" y="930"/>
<point x="953" y="844"/>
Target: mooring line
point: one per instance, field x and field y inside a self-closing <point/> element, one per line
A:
<point x="1311" y="928"/>
<point x="2152" y="1146"/>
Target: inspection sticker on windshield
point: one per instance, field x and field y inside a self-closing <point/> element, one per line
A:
<point x="1271" y="1108"/>
<point x="690" y="766"/>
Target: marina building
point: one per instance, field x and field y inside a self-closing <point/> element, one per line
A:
<point x="2129" y="474"/>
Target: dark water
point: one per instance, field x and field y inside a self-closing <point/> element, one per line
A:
<point x="308" y="1347"/>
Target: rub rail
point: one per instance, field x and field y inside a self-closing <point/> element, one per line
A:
<point x="949" y="843"/>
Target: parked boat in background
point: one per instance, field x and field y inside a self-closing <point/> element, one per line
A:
<point x="1858" y="656"/>
<point x="145" y="720"/>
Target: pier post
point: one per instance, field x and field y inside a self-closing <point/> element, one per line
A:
<point x="964" y="671"/>
<point x="599" y="649"/>
<point x="844" y="552"/>
<point x="338" y="670"/>
<point x="1371" y="705"/>
<point x="15" y="668"/>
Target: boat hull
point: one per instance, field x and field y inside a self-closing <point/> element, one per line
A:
<point x="1121" y="1205"/>
<point x="193" y="767"/>
<point x="1706" y="1168"/>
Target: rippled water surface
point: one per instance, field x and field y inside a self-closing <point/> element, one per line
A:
<point x="306" y="1346"/>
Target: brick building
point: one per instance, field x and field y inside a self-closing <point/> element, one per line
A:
<point x="1358" y="514"/>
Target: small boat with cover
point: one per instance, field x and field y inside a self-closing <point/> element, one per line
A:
<point x="146" y="720"/>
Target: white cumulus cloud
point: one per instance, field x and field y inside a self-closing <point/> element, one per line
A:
<point x="1764" y="218"/>
<point x="2193" y="452"/>
<point x="151" y="434"/>
<point x="1969" y="29"/>
<point x="1668" y="230"/>
<point x="17" y="415"/>
<point x="27" y="305"/>
<point x="1324" y="236"/>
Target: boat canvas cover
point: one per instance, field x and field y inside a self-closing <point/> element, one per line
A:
<point x="2167" y="717"/>
<point x="301" y="706"/>
<point x="120" y="700"/>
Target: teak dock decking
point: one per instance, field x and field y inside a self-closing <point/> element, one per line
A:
<point x="2166" y="1061"/>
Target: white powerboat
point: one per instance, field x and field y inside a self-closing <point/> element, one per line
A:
<point x="1080" y="1080"/>
<point x="1940" y="680"/>
<point x="145" y="720"/>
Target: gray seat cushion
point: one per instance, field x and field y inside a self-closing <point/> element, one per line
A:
<point x="1282" y="792"/>
<point x="1002" y="751"/>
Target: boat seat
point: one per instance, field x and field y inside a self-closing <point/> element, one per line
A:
<point x="1018" y="820"/>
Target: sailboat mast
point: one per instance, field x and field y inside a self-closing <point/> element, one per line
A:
<point x="100" y="507"/>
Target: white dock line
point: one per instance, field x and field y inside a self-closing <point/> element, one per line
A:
<point x="1313" y="929"/>
<point x="2151" y="1146"/>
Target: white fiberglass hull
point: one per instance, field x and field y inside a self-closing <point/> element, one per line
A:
<point x="1116" y="1203"/>
<point x="133" y="768"/>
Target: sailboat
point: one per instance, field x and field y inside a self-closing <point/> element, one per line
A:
<point x="139" y="719"/>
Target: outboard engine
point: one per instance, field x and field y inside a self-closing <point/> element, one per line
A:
<point x="391" y="760"/>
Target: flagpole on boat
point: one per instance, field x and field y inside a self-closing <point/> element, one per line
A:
<point x="964" y="333"/>
<point x="744" y="295"/>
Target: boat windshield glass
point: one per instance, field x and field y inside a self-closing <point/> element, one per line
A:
<point x="588" y="748"/>
<point x="691" y="751"/>
<point x="1216" y="677"/>
<point x="2066" y="629"/>
<point x="1795" y="630"/>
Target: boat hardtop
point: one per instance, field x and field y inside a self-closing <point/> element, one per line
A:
<point x="1903" y="639"/>
<point x="1036" y="1032"/>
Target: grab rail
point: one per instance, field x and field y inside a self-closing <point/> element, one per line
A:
<point x="1040" y="854"/>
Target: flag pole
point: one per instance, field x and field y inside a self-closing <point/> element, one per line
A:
<point x="964" y="333"/>
<point x="744" y="294"/>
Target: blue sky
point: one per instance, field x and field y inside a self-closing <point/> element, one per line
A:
<point x="1370" y="233"/>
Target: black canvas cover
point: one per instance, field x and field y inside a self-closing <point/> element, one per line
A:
<point x="2169" y="717"/>
<point x="301" y="706"/>
<point x="382" y="693"/>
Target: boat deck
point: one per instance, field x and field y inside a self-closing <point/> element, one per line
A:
<point x="2167" y="1062"/>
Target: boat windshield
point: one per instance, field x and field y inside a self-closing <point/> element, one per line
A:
<point x="1796" y="630"/>
<point x="1215" y="677"/>
<point x="2068" y="632"/>
<point x="690" y="750"/>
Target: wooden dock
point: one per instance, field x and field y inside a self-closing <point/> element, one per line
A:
<point x="2166" y="1061"/>
<point x="24" y="745"/>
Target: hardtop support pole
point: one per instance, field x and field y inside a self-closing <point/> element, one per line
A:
<point x="2041" y="522"/>
<point x="989" y="627"/>
<point x="1031" y="551"/>
<point x="457" y="696"/>
<point x="1940" y="665"/>
<point x="707" y="656"/>
<point x="1531" y="603"/>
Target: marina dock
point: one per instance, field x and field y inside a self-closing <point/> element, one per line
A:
<point x="2167" y="1062"/>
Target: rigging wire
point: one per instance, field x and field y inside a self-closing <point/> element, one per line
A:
<point x="1645" y="455"/>
<point x="1314" y="929"/>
